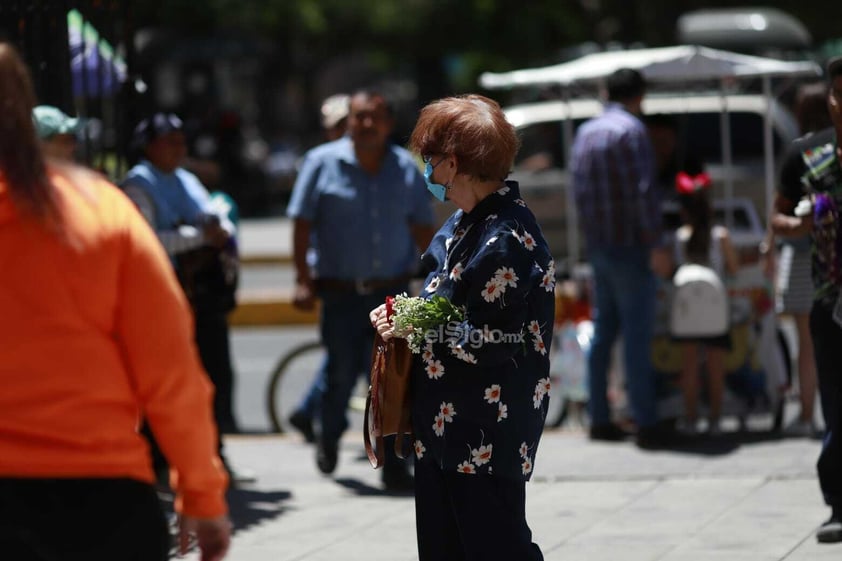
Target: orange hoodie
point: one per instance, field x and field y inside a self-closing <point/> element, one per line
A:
<point x="95" y="330"/>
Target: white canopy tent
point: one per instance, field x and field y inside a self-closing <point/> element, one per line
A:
<point x="679" y="65"/>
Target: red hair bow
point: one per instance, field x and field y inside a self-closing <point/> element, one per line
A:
<point x="687" y="184"/>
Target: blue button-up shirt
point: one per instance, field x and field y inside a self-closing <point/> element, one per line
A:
<point x="480" y="388"/>
<point x="360" y="222"/>
<point x="613" y="168"/>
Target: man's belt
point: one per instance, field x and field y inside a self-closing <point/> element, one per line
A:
<point x="360" y="286"/>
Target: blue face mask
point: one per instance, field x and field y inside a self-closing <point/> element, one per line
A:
<point x="438" y="190"/>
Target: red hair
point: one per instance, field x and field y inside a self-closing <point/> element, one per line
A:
<point x="472" y="128"/>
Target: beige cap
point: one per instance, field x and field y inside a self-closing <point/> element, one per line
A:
<point x="334" y="109"/>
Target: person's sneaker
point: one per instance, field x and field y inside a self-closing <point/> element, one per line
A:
<point x="398" y="481"/>
<point x="714" y="428"/>
<point x="327" y="455"/>
<point x="303" y="423"/>
<point x="831" y="531"/>
<point x="608" y="432"/>
<point x="654" y="437"/>
<point x="687" y="427"/>
<point x="800" y="429"/>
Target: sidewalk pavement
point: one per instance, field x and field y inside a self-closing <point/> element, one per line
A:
<point x="745" y="498"/>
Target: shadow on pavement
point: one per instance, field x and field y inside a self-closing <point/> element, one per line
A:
<point x="726" y="443"/>
<point x="365" y="490"/>
<point x="249" y="507"/>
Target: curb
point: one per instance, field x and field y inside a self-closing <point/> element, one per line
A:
<point x="265" y="259"/>
<point x="270" y="312"/>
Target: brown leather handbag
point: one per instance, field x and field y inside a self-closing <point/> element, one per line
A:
<point x="387" y="404"/>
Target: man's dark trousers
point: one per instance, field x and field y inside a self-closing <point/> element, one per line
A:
<point x="827" y="341"/>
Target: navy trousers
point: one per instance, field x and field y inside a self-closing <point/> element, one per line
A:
<point x="461" y="517"/>
<point x="827" y="342"/>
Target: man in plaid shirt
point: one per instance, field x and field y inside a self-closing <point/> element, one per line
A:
<point x="613" y="169"/>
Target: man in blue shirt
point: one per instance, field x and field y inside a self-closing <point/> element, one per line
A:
<point x="198" y="236"/>
<point x="361" y="217"/>
<point x="613" y="168"/>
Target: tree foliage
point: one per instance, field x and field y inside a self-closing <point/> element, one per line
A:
<point x="466" y="37"/>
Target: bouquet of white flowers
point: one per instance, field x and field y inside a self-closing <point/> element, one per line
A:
<point x="414" y="316"/>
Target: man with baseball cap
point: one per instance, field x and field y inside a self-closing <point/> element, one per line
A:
<point x="199" y="238"/>
<point x="808" y="202"/>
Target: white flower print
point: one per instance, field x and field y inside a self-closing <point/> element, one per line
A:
<point x="491" y="240"/>
<point x="434" y="284"/>
<point x="434" y="369"/>
<point x="492" y="291"/>
<point x="534" y="327"/>
<point x="492" y="394"/>
<point x="447" y="243"/>
<point x="551" y="268"/>
<point x="464" y="355"/>
<point x="538" y="342"/>
<point x="466" y="467"/>
<point x="505" y="276"/>
<point x="427" y="354"/>
<point x="481" y="455"/>
<point x="419" y="449"/>
<point x="527" y="240"/>
<point x="524" y="450"/>
<point x="438" y="424"/>
<point x="456" y="271"/>
<point x="502" y="412"/>
<point x="517" y="236"/>
<point x="540" y="391"/>
<point x="537" y="399"/>
<point x="521" y="202"/>
<point x="547" y="383"/>
<point x="542" y="386"/>
<point x="526" y="466"/>
<point x="548" y="282"/>
<point x="503" y="190"/>
<point x="447" y="411"/>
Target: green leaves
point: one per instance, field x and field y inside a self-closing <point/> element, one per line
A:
<point x="415" y="316"/>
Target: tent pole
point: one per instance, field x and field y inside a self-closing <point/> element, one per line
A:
<point x="570" y="198"/>
<point x="725" y="133"/>
<point x="768" y="148"/>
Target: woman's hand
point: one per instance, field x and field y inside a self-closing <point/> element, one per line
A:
<point x="213" y="536"/>
<point x="381" y="322"/>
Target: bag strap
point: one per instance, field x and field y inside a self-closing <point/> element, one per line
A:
<point x="375" y="454"/>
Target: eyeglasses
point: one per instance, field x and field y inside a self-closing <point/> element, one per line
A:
<point x="429" y="160"/>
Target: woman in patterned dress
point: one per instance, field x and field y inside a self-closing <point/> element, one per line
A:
<point x="480" y="387"/>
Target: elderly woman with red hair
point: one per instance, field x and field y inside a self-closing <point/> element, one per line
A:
<point x="479" y="392"/>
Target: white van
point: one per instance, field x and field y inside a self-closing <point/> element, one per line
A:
<point x="540" y="165"/>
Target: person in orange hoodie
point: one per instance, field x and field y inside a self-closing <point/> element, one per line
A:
<point x="96" y="334"/>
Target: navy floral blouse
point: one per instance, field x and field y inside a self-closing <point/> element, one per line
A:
<point x="480" y="387"/>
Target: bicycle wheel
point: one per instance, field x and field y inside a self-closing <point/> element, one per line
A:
<point x="290" y="380"/>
